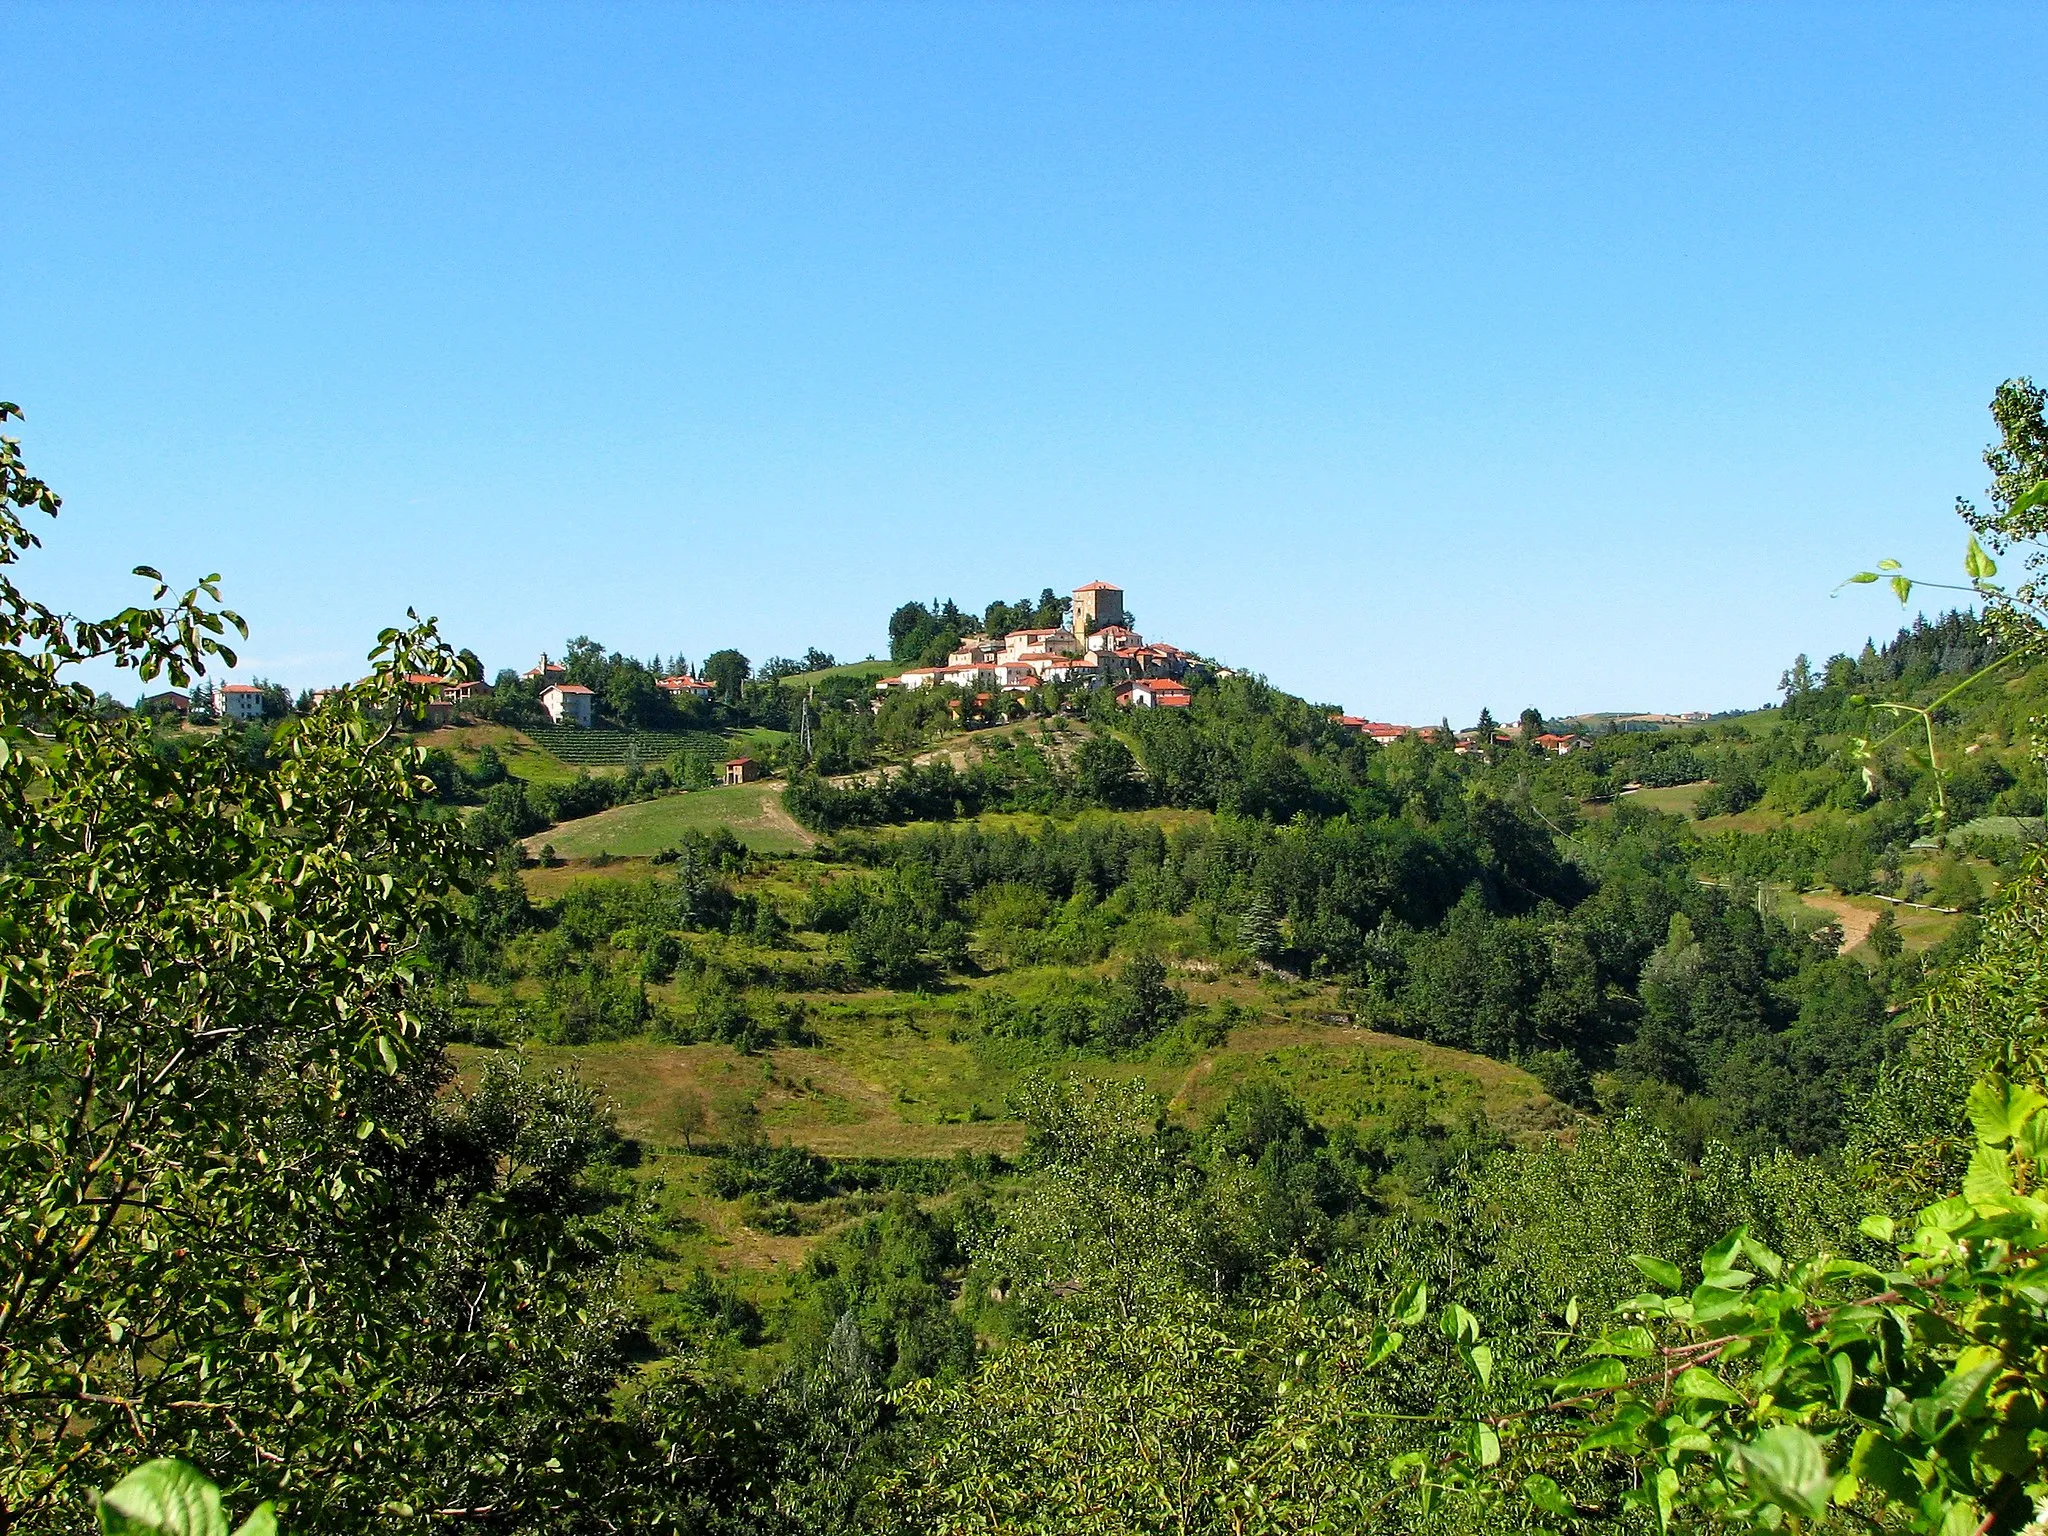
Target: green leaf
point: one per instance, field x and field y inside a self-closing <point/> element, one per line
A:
<point x="1976" y="564"/>
<point x="262" y="1521"/>
<point x="1703" y="1386"/>
<point x="1594" y="1376"/>
<point x="1633" y="1343"/>
<point x="163" y="1498"/>
<point x="1862" y="578"/>
<point x="388" y="1055"/>
<point x="1544" y="1493"/>
<point x="1659" y="1272"/>
<point x="2000" y="1111"/>
<point x="1412" y="1306"/>
<point x="1974" y="1370"/>
<point x="1458" y="1324"/>
<point x="1842" y="1372"/>
<point x="1879" y="1227"/>
<point x="1785" y="1466"/>
<point x="1988" y="1183"/>
<point x="1720" y="1258"/>
<point x="2032" y="1141"/>
<point x="1480" y="1358"/>
<point x="1665" y="1490"/>
<point x="1877" y="1462"/>
<point x="2038" y="496"/>
<point x="1902" y="588"/>
<point x="1762" y="1257"/>
<point x="1482" y="1444"/>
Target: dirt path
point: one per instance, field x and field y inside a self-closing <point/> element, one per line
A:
<point x="774" y="817"/>
<point x="1856" y="921"/>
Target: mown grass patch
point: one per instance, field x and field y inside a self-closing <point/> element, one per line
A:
<point x="753" y="813"/>
<point x="1672" y="799"/>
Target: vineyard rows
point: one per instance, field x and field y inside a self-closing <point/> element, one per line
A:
<point x="611" y="749"/>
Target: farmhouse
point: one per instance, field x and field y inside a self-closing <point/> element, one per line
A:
<point x="1375" y="730"/>
<point x="742" y="770"/>
<point x="1153" y="693"/>
<point x="241" y="701"/>
<point x="569" y="704"/>
<point x="684" y="686"/>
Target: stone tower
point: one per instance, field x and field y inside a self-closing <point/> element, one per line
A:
<point x="1096" y="605"/>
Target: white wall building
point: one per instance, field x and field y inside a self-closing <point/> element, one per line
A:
<point x="241" y="701"/>
<point x="569" y="704"/>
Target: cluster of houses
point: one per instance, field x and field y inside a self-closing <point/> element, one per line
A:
<point x="1095" y="648"/>
<point x="1464" y="743"/>
<point x="568" y="703"/>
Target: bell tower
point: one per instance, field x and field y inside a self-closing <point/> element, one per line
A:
<point x="1096" y="605"/>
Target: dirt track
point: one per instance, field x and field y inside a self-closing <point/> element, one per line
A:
<point x="1856" y="921"/>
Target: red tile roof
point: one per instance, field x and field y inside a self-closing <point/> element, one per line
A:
<point x="1100" y="586"/>
<point x="570" y="688"/>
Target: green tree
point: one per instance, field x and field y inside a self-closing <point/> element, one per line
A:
<point x="728" y="671"/>
<point x="240" y="1219"/>
<point x="1106" y="773"/>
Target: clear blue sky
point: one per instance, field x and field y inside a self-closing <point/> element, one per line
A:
<point x="1419" y="357"/>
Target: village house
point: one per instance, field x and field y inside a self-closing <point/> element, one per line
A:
<point x="547" y="672"/>
<point x="1153" y="693"/>
<point x="684" y="686"/>
<point x="169" y="702"/>
<point x="569" y="704"/>
<point x="742" y="770"/>
<point x="241" y="701"/>
<point x="1561" y="745"/>
<point x="1374" y="730"/>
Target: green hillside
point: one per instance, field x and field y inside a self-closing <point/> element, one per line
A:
<point x="751" y="812"/>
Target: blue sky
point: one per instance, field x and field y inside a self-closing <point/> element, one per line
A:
<point x="1420" y="357"/>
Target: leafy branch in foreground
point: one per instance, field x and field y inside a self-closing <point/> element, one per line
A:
<point x="168" y="1498"/>
<point x="2023" y="636"/>
<point x="241" y="1220"/>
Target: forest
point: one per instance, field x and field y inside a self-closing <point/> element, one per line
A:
<point x="1285" y="1132"/>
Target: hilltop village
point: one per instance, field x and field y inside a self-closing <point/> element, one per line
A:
<point x="999" y="671"/>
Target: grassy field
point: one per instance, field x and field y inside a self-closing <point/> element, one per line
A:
<point x="1673" y="800"/>
<point x="862" y="669"/>
<point x="753" y="812"/>
<point x="522" y="756"/>
<point x="896" y="1077"/>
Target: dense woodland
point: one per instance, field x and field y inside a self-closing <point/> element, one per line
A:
<point x="252" y="1215"/>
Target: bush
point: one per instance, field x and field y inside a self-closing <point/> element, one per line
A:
<point x="788" y="1173"/>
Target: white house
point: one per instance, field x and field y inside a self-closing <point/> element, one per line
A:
<point x="569" y="704"/>
<point x="241" y="701"/>
<point x="1153" y="693"/>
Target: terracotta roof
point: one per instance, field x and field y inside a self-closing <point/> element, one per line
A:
<point x="1100" y="586"/>
<point x="239" y="688"/>
<point x="570" y="688"/>
<point x="734" y="762"/>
